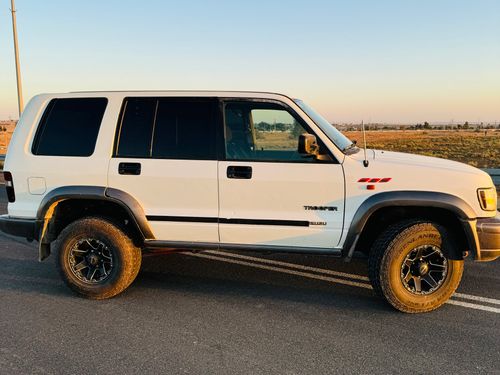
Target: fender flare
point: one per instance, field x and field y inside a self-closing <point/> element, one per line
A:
<point x="123" y="199"/>
<point x="375" y="202"/>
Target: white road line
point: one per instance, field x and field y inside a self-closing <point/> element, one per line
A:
<point x="477" y="298"/>
<point x="290" y="265"/>
<point x="473" y="306"/>
<point x="328" y="279"/>
<point x="282" y="270"/>
<point x="341" y="274"/>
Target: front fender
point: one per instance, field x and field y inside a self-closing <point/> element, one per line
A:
<point x="375" y="202"/>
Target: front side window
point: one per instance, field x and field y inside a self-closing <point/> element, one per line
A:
<point x="262" y="132"/>
<point x="69" y="127"/>
<point x="167" y="128"/>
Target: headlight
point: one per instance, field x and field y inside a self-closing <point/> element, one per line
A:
<point x="487" y="198"/>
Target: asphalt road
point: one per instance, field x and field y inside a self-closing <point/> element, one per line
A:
<point x="226" y="313"/>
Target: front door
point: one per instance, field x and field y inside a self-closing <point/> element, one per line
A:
<point x="269" y="194"/>
<point x="165" y="157"/>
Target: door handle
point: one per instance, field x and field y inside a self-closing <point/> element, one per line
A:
<point x="239" y="172"/>
<point x="129" y="168"/>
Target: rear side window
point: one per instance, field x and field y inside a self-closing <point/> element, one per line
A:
<point x="69" y="127"/>
<point x="168" y="128"/>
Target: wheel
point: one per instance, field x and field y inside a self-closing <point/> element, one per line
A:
<point x="96" y="259"/>
<point x="408" y="267"/>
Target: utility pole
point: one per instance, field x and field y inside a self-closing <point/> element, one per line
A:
<point x="16" y="52"/>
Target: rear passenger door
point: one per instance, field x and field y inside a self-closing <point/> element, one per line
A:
<point x="165" y="157"/>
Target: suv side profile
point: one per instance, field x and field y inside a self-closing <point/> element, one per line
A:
<point x="100" y="177"/>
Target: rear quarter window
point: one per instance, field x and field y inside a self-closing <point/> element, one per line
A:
<point x="167" y="128"/>
<point x="69" y="127"/>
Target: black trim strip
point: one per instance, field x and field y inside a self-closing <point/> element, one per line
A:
<point x="183" y="219"/>
<point x="190" y="219"/>
<point x="289" y="223"/>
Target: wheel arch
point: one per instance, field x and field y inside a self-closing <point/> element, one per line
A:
<point x="383" y="209"/>
<point x="66" y="204"/>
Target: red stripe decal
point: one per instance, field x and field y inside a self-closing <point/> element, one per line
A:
<point x="374" y="180"/>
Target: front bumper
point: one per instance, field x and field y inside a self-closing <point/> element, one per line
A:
<point x="488" y="234"/>
<point x="27" y="228"/>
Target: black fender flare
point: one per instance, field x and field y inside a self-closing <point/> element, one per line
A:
<point x="51" y="199"/>
<point x="406" y="198"/>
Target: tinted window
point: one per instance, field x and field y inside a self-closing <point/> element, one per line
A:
<point x="184" y="130"/>
<point x="137" y="127"/>
<point x="168" y="128"/>
<point x="69" y="127"/>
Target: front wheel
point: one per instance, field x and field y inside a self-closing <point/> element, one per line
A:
<point x="96" y="259"/>
<point x="410" y="269"/>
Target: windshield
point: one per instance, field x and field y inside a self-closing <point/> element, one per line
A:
<point x="335" y="136"/>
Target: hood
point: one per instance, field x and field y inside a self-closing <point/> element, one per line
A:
<point x="423" y="161"/>
<point x="411" y="172"/>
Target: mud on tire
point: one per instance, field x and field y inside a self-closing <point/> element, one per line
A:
<point x="96" y="259"/>
<point x="408" y="266"/>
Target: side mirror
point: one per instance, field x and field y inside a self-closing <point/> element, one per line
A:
<point x="308" y="145"/>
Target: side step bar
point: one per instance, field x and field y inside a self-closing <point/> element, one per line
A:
<point x="152" y="245"/>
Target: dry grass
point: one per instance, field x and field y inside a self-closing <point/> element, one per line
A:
<point x="276" y="141"/>
<point x="5" y="136"/>
<point x="479" y="149"/>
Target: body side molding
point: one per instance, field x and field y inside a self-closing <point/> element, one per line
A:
<point x="375" y="202"/>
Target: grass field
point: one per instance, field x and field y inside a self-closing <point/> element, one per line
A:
<point x="479" y="149"/>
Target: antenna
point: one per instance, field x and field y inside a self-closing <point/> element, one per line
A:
<point x="365" y="162"/>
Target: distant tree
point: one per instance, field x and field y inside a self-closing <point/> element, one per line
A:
<point x="426" y="125"/>
<point x="466" y="125"/>
<point x="296" y="130"/>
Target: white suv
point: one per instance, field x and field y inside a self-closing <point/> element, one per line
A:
<point x="100" y="177"/>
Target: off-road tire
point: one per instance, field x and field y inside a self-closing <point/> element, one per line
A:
<point x="127" y="257"/>
<point x="388" y="253"/>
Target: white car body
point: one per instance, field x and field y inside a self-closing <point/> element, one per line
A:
<point x="277" y="191"/>
<point x="102" y="177"/>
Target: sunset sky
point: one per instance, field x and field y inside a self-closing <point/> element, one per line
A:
<point x="377" y="61"/>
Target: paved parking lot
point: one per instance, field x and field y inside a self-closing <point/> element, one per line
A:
<point x="232" y="313"/>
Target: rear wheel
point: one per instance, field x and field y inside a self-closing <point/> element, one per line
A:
<point x="410" y="268"/>
<point x="96" y="259"/>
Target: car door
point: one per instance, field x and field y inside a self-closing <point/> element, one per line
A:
<point x="165" y="158"/>
<point x="269" y="194"/>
